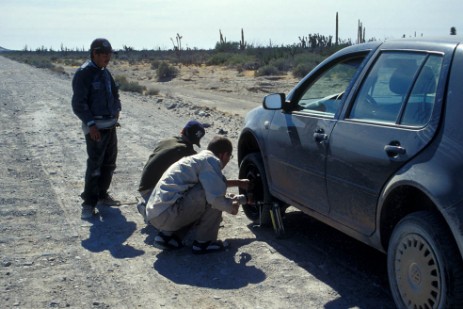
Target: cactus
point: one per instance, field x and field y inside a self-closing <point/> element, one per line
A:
<point x="360" y="33"/>
<point x="179" y="41"/>
<point x="242" y="42"/>
<point x="222" y="39"/>
<point x="303" y="41"/>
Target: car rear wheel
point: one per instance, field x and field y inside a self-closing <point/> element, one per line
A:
<point x="424" y="265"/>
<point x="252" y="168"/>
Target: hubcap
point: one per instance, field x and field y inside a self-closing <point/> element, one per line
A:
<point x="414" y="274"/>
<point x="418" y="273"/>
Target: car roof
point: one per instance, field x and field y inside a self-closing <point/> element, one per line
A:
<point x="455" y="39"/>
<point x="439" y="43"/>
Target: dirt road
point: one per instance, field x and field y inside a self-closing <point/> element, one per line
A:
<point x="52" y="259"/>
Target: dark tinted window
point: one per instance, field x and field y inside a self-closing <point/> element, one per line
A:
<point x="399" y="89"/>
<point x="423" y="96"/>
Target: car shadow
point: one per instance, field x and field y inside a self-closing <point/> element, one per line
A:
<point x="352" y="269"/>
<point x="213" y="270"/>
<point x="110" y="231"/>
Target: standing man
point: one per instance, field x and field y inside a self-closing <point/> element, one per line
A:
<point x="96" y="102"/>
<point x="192" y="193"/>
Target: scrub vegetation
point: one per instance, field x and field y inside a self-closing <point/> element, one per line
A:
<point x="297" y="59"/>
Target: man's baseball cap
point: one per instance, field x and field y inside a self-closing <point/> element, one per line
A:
<point x="101" y="46"/>
<point x="194" y="131"/>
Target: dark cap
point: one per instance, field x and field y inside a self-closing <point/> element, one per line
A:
<point x="194" y="131"/>
<point x="101" y="46"/>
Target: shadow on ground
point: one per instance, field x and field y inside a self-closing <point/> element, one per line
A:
<point x="354" y="270"/>
<point x="213" y="270"/>
<point x="109" y="232"/>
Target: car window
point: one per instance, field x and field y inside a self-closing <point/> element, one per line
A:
<point x="423" y="96"/>
<point x="399" y="89"/>
<point x="324" y="95"/>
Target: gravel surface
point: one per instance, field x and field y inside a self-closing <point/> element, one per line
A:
<point x="50" y="258"/>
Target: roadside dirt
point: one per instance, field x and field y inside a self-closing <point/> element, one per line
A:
<point x="50" y="258"/>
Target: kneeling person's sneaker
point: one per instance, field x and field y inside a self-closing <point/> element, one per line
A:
<point x="88" y="212"/>
<point x="108" y="200"/>
<point x="209" y="246"/>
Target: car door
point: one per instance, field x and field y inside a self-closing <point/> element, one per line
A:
<point x="386" y="125"/>
<point x="296" y="141"/>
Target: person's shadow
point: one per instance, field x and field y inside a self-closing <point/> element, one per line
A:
<point x="219" y="270"/>
<point x="109" y="232"/>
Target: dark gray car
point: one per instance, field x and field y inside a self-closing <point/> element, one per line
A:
<point x="371" y="143"/>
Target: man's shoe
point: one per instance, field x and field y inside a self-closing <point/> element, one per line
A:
<point x="88" y="212"/>
<point x="167" y="242"/>
<point x="209" y="246"/>
<point x="108" y="200"/>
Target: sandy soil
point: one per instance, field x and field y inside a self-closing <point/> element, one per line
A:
<point x="50" y="258"/>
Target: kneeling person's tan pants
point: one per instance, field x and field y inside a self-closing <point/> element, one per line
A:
<point x="191" y="210"/>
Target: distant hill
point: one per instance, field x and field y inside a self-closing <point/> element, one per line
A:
<point x="3" y="49"/>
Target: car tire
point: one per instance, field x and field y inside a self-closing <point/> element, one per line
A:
<point x="252" y="168"/>
<point x="425" y="269"/>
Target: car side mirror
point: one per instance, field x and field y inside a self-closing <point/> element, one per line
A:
<point x="274" y="101"/>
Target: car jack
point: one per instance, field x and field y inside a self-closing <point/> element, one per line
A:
<point x="277" y="220"/>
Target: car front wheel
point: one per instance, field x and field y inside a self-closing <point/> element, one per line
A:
<point x="424" y="265"/>
<point x="258" y="211"/>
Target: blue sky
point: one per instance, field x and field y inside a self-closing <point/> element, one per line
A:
<point x="151" y="24"/>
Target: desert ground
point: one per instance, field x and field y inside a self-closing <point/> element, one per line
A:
<point x="50" y="258"/>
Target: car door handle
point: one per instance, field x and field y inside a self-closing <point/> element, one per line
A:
<point x="320" y="136"/>
<point x="394" y="150"/>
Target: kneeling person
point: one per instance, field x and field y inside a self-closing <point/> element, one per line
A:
<point x="166" y="153"/>
<point x="192" y="192"/>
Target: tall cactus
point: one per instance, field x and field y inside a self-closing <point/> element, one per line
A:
<point x="360" y="32"/>
<point x="222" y="39"/>
<point x="179" y="41"/>
<point x="242" y="42"/>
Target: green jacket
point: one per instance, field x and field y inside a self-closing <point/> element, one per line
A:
<point x="164" y="155"/>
